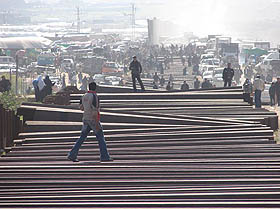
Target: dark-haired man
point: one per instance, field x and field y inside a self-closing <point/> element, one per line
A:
<point x="228" y="74"/>
<point x="91" y="121"/>
<point x="136" y="70"/>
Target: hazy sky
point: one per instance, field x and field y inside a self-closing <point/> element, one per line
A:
<point x="258" y="19"/>
<point x="208" y="16"/>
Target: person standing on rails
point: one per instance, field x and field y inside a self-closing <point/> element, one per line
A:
<point x="91" y="121"/>
<point x="259" y="87"/>
<point x="228" y="74"/>
<point x="136" y="70"/>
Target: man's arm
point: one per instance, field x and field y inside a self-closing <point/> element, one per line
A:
<point x="81" y="105"/>
<point x="130" y="66"/>
<point x="224" y="74"/>
<point x="140" y="67"/>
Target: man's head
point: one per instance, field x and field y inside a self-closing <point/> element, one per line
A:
<point x="134" y="58"/>
<point x="155" y="73"/>
<point x="3" y="77"/>
<point x="92" y="86"/>
<point x="185" y="82"/>
<point x="278" y="79"/>
<point x="258" y="76"/>
<point x="229" y="65"/>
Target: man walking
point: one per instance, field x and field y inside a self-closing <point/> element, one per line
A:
<point x="259" y="87"/>
<point x="277" y="91"/>
<point x="136" y="70"/>
<point x="91" y="121"/>
<point x="228" y="74"/>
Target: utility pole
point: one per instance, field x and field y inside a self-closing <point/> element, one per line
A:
<point x="133" y="18"/>
<point x="78" y="20"/>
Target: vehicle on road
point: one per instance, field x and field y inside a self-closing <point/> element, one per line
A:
<point x="67" y="64"/>
<point x="112" y="68"/>
<point x="99" y="78"/>
<point x="218" y="77"/>
<point x="112" y="80"/>
<point x="208" y="75"/>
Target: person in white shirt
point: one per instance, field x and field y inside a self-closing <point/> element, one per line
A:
<point x="259" y="86"/>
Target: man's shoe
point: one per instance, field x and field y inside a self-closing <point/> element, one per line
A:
<point x="106" y="160"/>
<point x="73" y="160"/>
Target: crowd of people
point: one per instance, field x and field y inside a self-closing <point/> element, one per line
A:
<point x="42" y="87"/>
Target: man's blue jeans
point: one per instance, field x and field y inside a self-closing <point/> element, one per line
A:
<point x="89" y="125"/>
<point x="258" y="95"/>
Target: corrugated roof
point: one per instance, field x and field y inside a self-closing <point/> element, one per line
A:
<point x="24" y="43"/>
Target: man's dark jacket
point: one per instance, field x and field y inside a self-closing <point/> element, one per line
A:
<point x="228" y="74"/>
<point x="135" y="67"/>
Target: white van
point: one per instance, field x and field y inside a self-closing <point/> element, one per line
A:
<point x="7" y="60"/>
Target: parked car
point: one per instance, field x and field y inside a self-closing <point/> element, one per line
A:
<point x="112" y="80"/>
<point x="99" y="78"/>
<point x="207" y="56"/>
<point x="214" y="62"/>
<point x="208" y="75"/>
<point x="67" y="64"/>
<point x="112" y="68"/>
<point x="218" y="77"/>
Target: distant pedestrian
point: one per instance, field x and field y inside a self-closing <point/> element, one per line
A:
<point x="84" y="84"/>
<point x="248" y="87"/>
<point x="36" y="89"/>
<point x="155" y="85"/>
<point x="228" y="74"/>
<point x="248" y="90"/>
<point x="185" y="71"/>
<point x="74" y="79"/>
<point x="156" y="78"/>
<point x="169" y="86"/>
<point x="48" y="86"/>
<point x="5" y="84"/>
<point x="189" y="61"/>
<point x="259" y="87"/>
<point x="41" y="85"/>
<point x="206" y="84"/>
<point x="63" y="82"/>
<point x="272" y="94"/>
<point x="90" y="104"/>
<point x="196" y="83"/>
<point x="237" y="75"/>
<point x="161" y="68"/>
<point x="277" y="91"/>
<point x="80" y="77"/>
<point x="136" y="70"/>
<point x="196" y="69"/>
<point x="162" y="81"/>
<point x="269" y="78"/>
<point x="171" y="78"/>
<point x="185" y="86"/>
